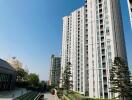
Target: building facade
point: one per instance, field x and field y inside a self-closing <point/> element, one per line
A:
<point x="7" y="76"/>
<point x="55" y="70"/>
<point x="130" y="10"/>
<point x="92" y="37"/>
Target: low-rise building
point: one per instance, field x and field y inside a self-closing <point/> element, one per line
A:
<point x="7" y="76"/>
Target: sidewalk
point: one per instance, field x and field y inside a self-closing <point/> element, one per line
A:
<point x="49" y="96"/>
<point x="9" y="95"/>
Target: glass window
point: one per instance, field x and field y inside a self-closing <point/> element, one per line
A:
<point x="108" y="42"/>
<point x="109" y="48"/>
<point x="107" y="29"/>
<point x="100" y="75"/>
<point x="104" y="65"/>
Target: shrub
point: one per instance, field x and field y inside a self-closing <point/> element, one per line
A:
<point x="86" y="93"/>
<point x="59" y="93"/>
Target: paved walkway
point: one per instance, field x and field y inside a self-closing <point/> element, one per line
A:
<point x="49" y="96"/>
<point x="9" y="95"/>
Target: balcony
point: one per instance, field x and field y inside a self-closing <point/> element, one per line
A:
<point x="102" y="45"/>
<point x="100" y="1"/>
<point x="103" y="51"/>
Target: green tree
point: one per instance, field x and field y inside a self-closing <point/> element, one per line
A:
<point x="33" y="79"/>
<point x="67" y="82"/>
<point x="21" y="74"/>
<point x="120" y="79"/>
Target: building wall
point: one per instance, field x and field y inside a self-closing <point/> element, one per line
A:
<point x="7" y="76"/>
<point x="92" y="37"/>
<point x="77" y="50"/>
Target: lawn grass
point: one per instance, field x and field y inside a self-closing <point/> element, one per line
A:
<point x="76" y="96"/>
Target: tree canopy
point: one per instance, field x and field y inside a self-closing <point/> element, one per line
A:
<point x="33" y="79"/>
<point x="67" y="82"/>
<point x="21" y="74"/>
<point x="120" y="78"/>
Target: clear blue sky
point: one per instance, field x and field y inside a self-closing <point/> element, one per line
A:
<point x="31" y="30"/>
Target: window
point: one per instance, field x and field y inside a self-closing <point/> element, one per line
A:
<point x="85" y="15"/>
<point x="100" y="75"/>
<point x="102" y="38"/>
<point x="102" y="45"/>
<point x="101" y="26"/>
<point x="108" y="41"/>
<point x="104" y="65"/>
<point x="107" y="29"/>
<point x="103" y="58"/>
<point x="85" y="5"/>
<point x="86" y="25"/>
<point x="106" y="95"/>
<point x="86" y="41"/>
<point x="86" y="36"/>
<point x="100" y="1"/>
<point x="86" y="10"/>
<point x="101" y="21"/>
<point x="97" y="22"/>
<point x="100" y="11"/>
<point x="109" y="48"/>
<point x="97" y="11"/>
<point x="102" y="32"/>
<point x="86" y="20"/>
<point x="104" y="72"/>
<point x="97" y="16"/>
<point x="101" y="94"/>
<point x="104" y="78"/>
<point x="101" y="15"/>
<point x="100" y="5"/>
<point x="86" y="47"/>
<point x="103" y="51"/>
<point x="93" y="63"/>
<point x="98" y="33"/>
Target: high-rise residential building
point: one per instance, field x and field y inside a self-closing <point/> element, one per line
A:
<point x="130" y="10"/>
<point x="92" y="37"/>
<point x="55" y="70"/>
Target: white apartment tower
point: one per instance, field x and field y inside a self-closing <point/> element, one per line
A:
<point x="92" y="37"/>
<point x="130" y="10"/>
